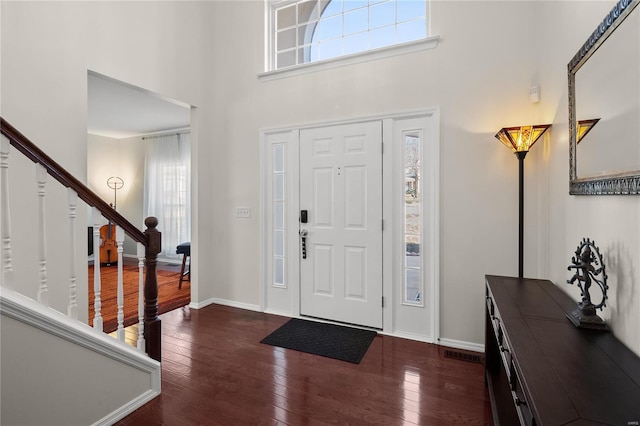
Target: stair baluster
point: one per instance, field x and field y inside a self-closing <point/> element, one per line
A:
<point x="97" y="284"/>
<point x="5" y="226"/>
<point x="43" y="291"/>
<point x="72" y="308"/>
<point x="141" y="340"/>
<point x="120" y="316"/>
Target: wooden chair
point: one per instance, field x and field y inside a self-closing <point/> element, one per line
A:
<point x="185" y="250"/>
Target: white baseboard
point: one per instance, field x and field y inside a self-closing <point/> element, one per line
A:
<point x="409" y="336"/>
<point x="231" y="303"/>
<point x="200" y="305"/>
<point x="279" y="313"/>
<point x="459" y="344"/>
<point x="127" y="409"/>
<point x="194" y="305"/>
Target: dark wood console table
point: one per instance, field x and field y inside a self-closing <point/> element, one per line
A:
<point x="542" y="370"/>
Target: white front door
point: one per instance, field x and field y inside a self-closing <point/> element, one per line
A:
<point x="341" y="190"/>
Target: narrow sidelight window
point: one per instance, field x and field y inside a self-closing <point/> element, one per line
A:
<point x="279" y="219"/>
<point x="413" y="288"/>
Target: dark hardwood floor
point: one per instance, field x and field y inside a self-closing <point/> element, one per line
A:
<point x="215" y="372"/>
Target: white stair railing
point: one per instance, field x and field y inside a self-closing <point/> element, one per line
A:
<point x="149" y="244"/>
<point x="43" y="288"/>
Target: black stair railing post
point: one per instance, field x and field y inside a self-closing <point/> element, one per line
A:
<point x="152" y="327"/>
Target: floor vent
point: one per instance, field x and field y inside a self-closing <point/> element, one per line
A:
<point x="464" y="356"/>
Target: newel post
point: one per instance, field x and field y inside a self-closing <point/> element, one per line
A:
<point x="152" y="328"/>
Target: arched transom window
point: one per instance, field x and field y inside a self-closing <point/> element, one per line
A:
<point x="314" y="30"/>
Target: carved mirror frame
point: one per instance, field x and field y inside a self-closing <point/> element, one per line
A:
<point x="626" y="183"/>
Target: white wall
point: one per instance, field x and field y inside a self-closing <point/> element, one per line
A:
<point x="612" y="221"/>
<point x="479" y="89"/>
<point x="208" y="54"/>
<point x="47" y="49"/>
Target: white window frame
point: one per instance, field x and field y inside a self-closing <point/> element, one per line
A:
<point x="278" y="299"/>
<point x="284" y="201"/>
<point x="419" y="134"/>
<point x="430" y="42"/>
<point x="411" y="315"/>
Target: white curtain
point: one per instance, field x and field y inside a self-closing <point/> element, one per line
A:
<point x="167" y="188"/>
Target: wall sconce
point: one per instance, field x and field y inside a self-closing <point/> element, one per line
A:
<point x="583" y="127"/>
<point x="520" y="140"/>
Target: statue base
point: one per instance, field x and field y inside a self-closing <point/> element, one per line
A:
<point x="585" y="317"/>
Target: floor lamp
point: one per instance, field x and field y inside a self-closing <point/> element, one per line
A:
<point x="520" y="140"/>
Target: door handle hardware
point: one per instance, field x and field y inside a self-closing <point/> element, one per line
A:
<point x="303" y="236"/>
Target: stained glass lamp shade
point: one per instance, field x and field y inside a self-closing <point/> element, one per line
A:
<point x="584" y="126"/>
<point x="521" y="139"/>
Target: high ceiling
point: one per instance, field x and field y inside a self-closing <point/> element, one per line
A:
<point x="118" y="110"/>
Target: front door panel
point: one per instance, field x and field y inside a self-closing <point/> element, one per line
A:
<point x="341" y="189"/>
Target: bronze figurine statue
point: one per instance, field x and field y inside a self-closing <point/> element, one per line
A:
<point x="589" y="269"/>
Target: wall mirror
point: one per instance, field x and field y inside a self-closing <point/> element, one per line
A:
<point x="604" y="85"/>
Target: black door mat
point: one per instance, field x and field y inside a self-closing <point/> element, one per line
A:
<point x="328" y="340"/>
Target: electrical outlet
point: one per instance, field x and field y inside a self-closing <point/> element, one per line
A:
<point x="243" y="212"/>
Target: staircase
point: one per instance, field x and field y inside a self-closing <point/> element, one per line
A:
<point x="55" y="368"/>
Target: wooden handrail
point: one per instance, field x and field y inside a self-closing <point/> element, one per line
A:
<point x="150" y="239"/>
<point x="35" y="154"/>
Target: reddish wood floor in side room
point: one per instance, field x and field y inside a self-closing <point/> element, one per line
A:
<point x="215" y="371"/>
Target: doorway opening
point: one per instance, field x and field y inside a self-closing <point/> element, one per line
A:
<point x="142" y="139"/>
<point x="139" y="161"/>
